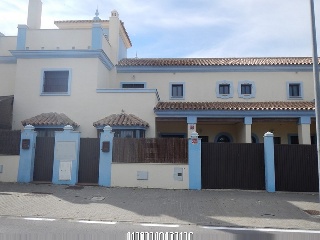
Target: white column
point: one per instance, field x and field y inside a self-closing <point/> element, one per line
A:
<point x="247" y="130"/>
<point x="304" y="130"/>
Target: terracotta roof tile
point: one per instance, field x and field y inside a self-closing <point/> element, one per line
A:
<point x="275" y="61"/>
<point x="236" y="106"/>
<point x="122" y="119"/>
<point x="50" y="119"/>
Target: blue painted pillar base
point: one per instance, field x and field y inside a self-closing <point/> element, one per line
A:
<point x="194" y="159"/>
<point x="27" y="154"/>
<point x="106" y="143"/>
<point x="66" y="157"/>
<point x="269" y="162"/>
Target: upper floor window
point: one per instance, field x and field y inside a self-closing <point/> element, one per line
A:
<point x="177" y="90"/>
<point x="246" y="89"/>
<point x="294" y="90"/>
<point x="133" y="85"/>
<point x="56" y="82"/>
<point x="224" y="89"/>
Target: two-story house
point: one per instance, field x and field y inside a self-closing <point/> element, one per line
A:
<point x="79" y="74"/>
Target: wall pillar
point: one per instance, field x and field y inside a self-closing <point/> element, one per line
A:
<point x="27" y="154"/>
<point x="194" y="159"/>
<point x="66" y="156"/>
<point x="304" y="130"/>
<point x="192" y="125"/>
<point x="106" y="143"/>
<point x="96" y="41"/>
<point x="22" y="37"/>
<point x="269" y="162"/>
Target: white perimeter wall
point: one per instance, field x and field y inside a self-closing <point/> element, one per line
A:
<point x="159" y="175"/>
<point x="10" y="166"/>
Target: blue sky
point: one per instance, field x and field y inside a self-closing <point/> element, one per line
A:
<point x="189" y="28"/>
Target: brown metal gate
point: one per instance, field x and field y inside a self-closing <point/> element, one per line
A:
<point x="232" y="166"/>
<point x="89" y="160"/>
<point x="43" y="162"/>
<point x="296" y="168"/>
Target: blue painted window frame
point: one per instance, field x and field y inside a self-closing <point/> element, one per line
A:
<point x="289" y="95"/>
<point x="123" y="83"/>
<point x="42" y="93"/>
<point x="172" y="84"/>
<point x="231" y="90"/>
<point x="244" y="95"/>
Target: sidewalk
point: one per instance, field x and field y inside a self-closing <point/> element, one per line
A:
<point x="207" y="207"/>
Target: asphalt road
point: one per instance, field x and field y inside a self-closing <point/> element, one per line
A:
<point x="46" y="228"/>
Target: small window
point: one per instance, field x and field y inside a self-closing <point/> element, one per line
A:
<point x="246" y="88"/>
<point x="294" y="90"/>
<point x="126" y="133"/>
<point x="293" y="139"/>
<point x="177" y="90"/>
<point x="133" y="85"/>
<point x="56" y="82"/>
<point x="277" y="140"/>
<point x="224" y="89"/>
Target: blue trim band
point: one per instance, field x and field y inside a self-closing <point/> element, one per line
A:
<point x="125" y="127"/>
<point x="169" y="69"/>
<point x="8" y="60"/>
<point x="39" y="54"/>
<point x="234" y="113"/>
<point x="129" y="90"/>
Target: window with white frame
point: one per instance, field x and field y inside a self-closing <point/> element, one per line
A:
<point x="224" y="89"/>
<point x="56" y="82"/>
<point x="246" y="89"/>
<point x="177" y="90"/>
<point x="294" y="90"/>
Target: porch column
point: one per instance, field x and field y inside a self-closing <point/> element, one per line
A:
<point x="192" y="125"/>
<point x="66" y="156"/>
<point x="106" y="143"/>
<point x="27" y="154"/>
<point x="247" y="130"/>
<point x="304" y="130"/>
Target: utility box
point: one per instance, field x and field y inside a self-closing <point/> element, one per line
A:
<point x="142" y="175"/>
<point x="65" y="171"/>
<point x="178" y="174"/>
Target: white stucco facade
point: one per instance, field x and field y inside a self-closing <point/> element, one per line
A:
<point x="93" y="52"/>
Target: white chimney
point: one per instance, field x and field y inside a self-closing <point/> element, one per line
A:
<point x="34" y="14"/>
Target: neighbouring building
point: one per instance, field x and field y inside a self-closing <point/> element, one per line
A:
<point x="79" y="75"/>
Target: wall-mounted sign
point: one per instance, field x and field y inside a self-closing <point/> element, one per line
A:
<point x="105" y="146"/>
<point x="25" y="143"/>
